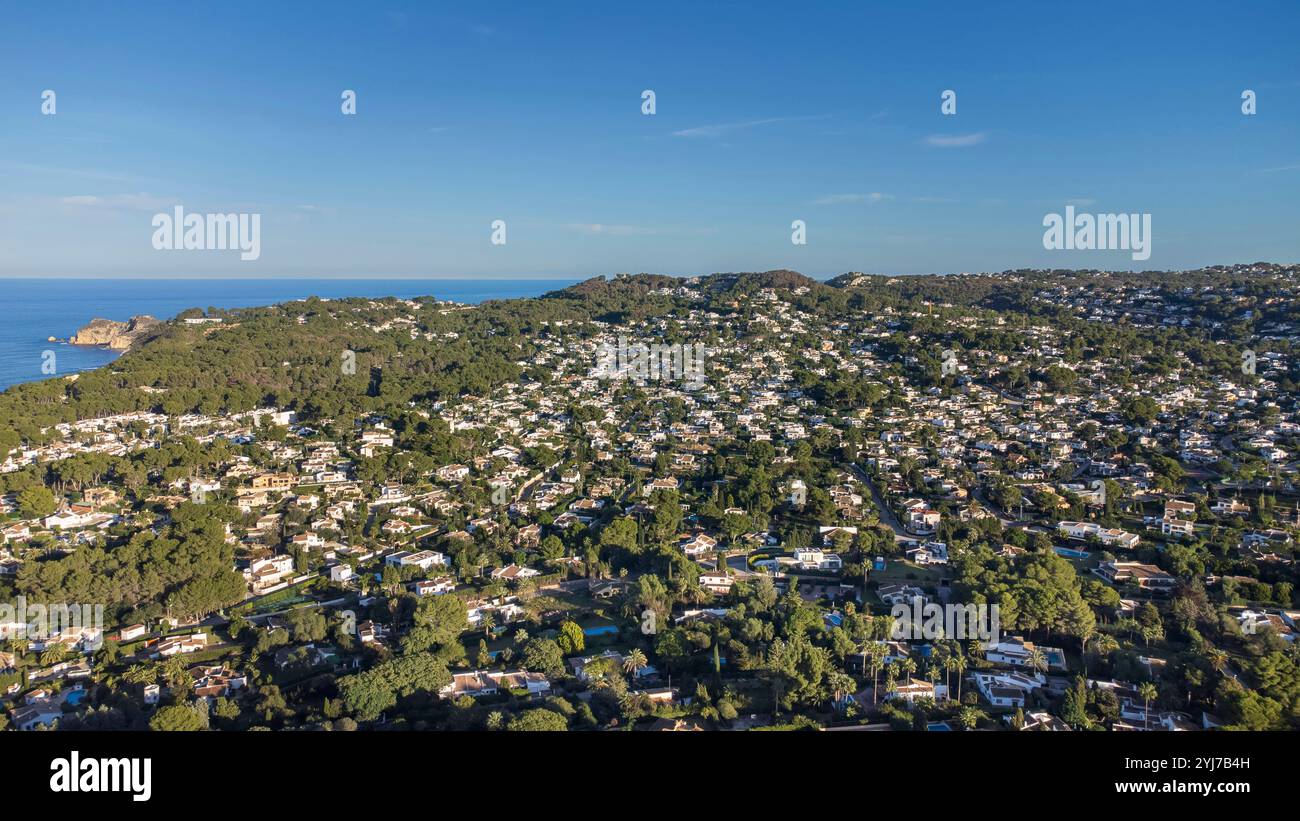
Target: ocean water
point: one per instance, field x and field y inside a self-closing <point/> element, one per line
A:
<point x="36" y="309"/>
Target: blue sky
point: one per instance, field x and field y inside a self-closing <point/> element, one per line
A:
<point x="531" y="113"/>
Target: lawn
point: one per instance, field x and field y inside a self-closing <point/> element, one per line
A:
<point x="899" y="571"/>
<point x="279" y="600"/>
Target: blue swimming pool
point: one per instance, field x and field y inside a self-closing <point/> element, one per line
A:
<point x="1070" y="553"/>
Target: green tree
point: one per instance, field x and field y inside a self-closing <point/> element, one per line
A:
<point x="538" y="720"/>
<point x="634" y="661"/>
<point x="544" y="656"/>
<point x="571" y="639"/>
<point x="37" y="502"/>
<point x="368" y="694"/>
<point x="1147" y="691"/>
<point x="176" y="718"/>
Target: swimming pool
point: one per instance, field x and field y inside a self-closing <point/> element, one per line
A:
<point x="1070" y="553"/>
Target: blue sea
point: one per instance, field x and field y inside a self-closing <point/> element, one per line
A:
<point x="36" y="309"/>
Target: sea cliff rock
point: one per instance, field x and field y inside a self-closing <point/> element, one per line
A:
<point x="108" y="333"/>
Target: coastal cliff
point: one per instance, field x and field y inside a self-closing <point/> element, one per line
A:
<point x="108" y="333"/>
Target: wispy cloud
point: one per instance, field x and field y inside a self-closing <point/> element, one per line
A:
<point x="604" y="228"/>
<point x="840" y="199"/>
<point x="724" y="128"/>
<point x="956" y="140"/>
<point x="32" y="168"/>
<point x="307" y="213"/>
<point x="123" y="202"/>
<point x="1275" y="169"/>
<point x="607" y="229"/>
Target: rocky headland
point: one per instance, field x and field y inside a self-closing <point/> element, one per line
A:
<point x="114" y="335"/>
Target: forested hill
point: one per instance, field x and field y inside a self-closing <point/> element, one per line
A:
<point x="291" y="355"/>
<point x="643" y="284"/>
<point x="638" y="285"/>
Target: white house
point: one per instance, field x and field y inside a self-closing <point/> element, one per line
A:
<point x="340" y="572"/>
<point x="1016" y="652"/>
<point x="423" y="559"/>
<point x="913" y="689"/>
<point x="814" y="558"/>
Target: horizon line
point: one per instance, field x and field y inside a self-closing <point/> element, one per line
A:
<point x="605" y="275"/>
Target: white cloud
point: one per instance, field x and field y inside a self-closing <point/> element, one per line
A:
<point x="32" y="168"/>
<point x="613" y="230"/>
<point x="840" y="199"/>
<point x="723" y="128"/>
<point x="127" y="202"/>
<point x="956" y="140"/>
<point x="607" y="229"/>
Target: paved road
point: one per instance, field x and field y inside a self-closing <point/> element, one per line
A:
<point x="886" y="515"/>
<point x="978" y="493"/>
<point x="739" y="565"/>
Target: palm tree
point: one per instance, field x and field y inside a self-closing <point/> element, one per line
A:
<point x="634" y="661"/>
<point x="140" y="674"/>
<point x="945" y="659"/>
<point x="1103" y="645"/>
<point x="1148" y="693"/>
<point x="1154" y="631"/>
<point x="1128" y="625"/>
<point x="884" y="627"/>
<point x="840" y="683"/>
<point x="908" y="666"/>
<point x="18" y="647"/>
<point x="957" y="663"/>
<point x="488" y="621"/>
<point x="1037" y="661"/>
<point x="932" y="672"/>
<point x="877" y="653"/>
<point x="969" y="717"/>
<point x="1084" y="638"/>
<point x="54" y="653"/>
<point x="1217" y="659"/>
